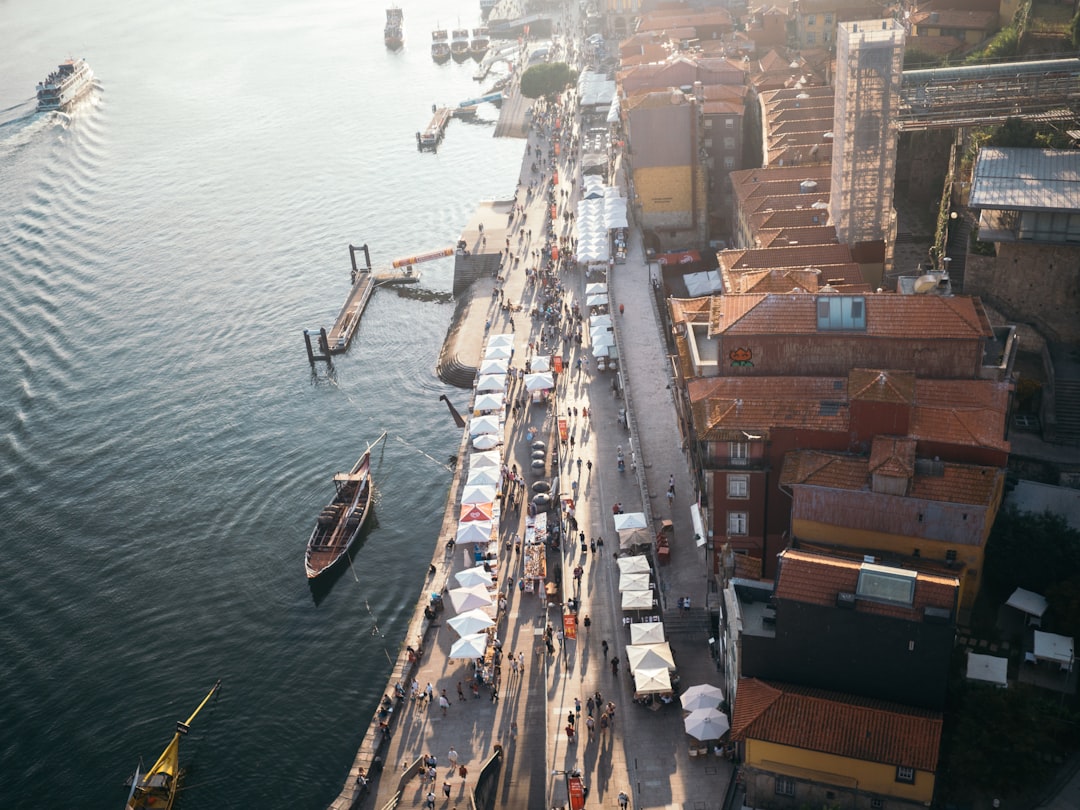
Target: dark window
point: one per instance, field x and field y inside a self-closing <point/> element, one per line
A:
<point x="785" y="786"/>
<point x="905" y="775"/>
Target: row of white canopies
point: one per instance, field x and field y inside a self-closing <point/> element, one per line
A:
<point x="600" y="210"/>
<point x="486" y="429"/>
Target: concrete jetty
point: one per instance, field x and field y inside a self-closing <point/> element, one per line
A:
<point x="514" y="744"/>
<point x="433" y="133"/>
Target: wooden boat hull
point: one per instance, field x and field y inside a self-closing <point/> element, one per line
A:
<point x="341" y="521"/>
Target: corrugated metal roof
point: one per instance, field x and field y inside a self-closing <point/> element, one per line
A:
<point x="1026" y="179"/>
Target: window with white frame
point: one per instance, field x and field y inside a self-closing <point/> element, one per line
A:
<point x="738" y="486"/>
<point x="729" y="162"/>
<point x="905" y="775"/>
<point x="736" y="522"/>
<point x="785" y="786"/>
<point x="729" y="123"/>
<point x="737" y="453"/>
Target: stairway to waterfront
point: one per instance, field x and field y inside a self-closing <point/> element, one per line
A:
<point x="687" y="622"/>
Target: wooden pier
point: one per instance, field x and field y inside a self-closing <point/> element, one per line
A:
<point x="430" y="137"/>
<point x="322" y="344"/>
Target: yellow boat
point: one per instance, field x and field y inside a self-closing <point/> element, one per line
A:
<point x="157" y="788"/>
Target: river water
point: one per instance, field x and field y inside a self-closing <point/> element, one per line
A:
<point x="165" y="446"/>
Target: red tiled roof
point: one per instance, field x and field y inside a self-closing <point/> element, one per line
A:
<point x="816" y="578"/>
<point x="970" y="412"/>
<point x="847" y="276"/>
<point x="832" y="723"/>
<point x="952" y="483"/>
<point x="949" y="18"/>
<point x="881" y="385"/>
<point x="786" y="237"/>
<point x="893" y="456"/>
<point x="723" y="407"/>
<point x="785" y="256"/>
<point x="887" y="315"/>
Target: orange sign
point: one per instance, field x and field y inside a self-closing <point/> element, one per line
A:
<point x="569" y="621"/>
<point x="564" y="429"/>
<point x="557" y="364"/>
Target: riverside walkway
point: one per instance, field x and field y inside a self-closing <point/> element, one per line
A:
<point x="646" y="752"/>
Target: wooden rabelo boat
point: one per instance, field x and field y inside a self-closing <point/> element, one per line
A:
<point x="158" y="787"/>
<point x="341" y="520"/>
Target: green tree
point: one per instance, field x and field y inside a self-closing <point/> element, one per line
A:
<point x="546" y="80"/>
<point x="1031" y="551"/>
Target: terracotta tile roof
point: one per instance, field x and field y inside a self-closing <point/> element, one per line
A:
<point x="887" y="315"/>
<point x="755" y="177"/>
<point x="667" y="18"/>
<point x="785" y="256"/>
<point x="724" y="407"/>
<point x="813" y="155"/>
<point x="788" y="218"/>
<point x="816" y="578"/>
<point x="690" y="309"/>
<point x="772" y="61"/>
<point x="893" y="456"/>
<point x="786" y="237"/>
<point x="725" y="92"/>
<point x="818" y="201"/>
<point x="952" y="18"/>
<point x="881" y="385"/>
<point x="787" y="279"/>
<point x="832" y="723"/>
<point x="968" y="412"/>
<point x="947" y="482"/>
<point x="723" y="107"/>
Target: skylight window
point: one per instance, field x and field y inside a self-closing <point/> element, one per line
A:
<point x="841" y="312"/>
<point x="886" y="584"/>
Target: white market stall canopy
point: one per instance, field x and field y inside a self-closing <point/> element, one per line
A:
<point x="490" y="458"/>
<point x="482" y="493"/>
<point x="1054" y="648"/>
<point x="652" y="681"/>
<point x="542" y="362"/>
<point x="489" y="401"/>
<point x="473" y="531"/>
<point x="498" y="352"/>
<point x="1028" y="602"/>
<point x="485" y="424"/>
<point x="470" y="622"/>
<point x="484" y="475"/>
<point x="639" y="562"/>
<point x="630" y="520"/>
<point x="596" y="288"/>
<point x="637" y="600"/>
<point x="647" y="633"/>
<point x="494" y="365"/>
<point x="486" y="441"/>
<point x="596" y="300"/>
<point x="464" y="599"/>
<point x="503" y="339"/>
<point x="473" y="576"/>
<point x="634" y="581"/>
<point x="595" y="90"/>
<point x="473" y="646"/>
<point x="650" y="656"/>
<point x="539" y="382"/>
<point x="491" y="382"/>
<point x="988" y="668"/>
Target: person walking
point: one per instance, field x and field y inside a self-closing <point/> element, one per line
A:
<point x="452" y="755"/>
<point x="430" y="802"/>
<point x="604" y="647"/>
<point x="624" y="800"/>
<point x="446" y="788"/>
<point x="590" y="704"/>
<point x="462" y="771"/>
<point x="444" y="703"/>
<point x="590" y="726"/>
<point x="460" y="691"/>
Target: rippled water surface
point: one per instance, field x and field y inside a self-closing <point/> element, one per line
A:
<point x="164" y="447"/>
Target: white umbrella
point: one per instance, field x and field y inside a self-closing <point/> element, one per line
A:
<point x="595" y="288"/>
<point x="603" y="350"/>
<point x="473" y="646"/>
<point x="539" y="382"/>
<point x="652" y="681"/>
<point x="484" y="424"/>
<point x="596" y="300"/>
<point x="491" y="382"/>
<point x="473" y="576"/>
<point x="503" y="339"/>
<point x="637" y="600"/>
<point x="638" y="562"/>
<point x="542" y="362"/>
<point x="706" y="724"/>
<point x="634" y="581"/>
<point x="484" y="475"/>
<point x="490" y="401"/>
<point x="702" y="696"/>
<point x="628" y="538"/>
<point x="486" y="442"/>
<point x="493" y="365"/>
<point x="475" y="596"/>
<point x="650" y="656"/>
<point x="490" y="458"/>
<point x="470" y="622"/>
<point x="647" y="633"/>
<point x="599" y="320"/>
<point x="478" y="493"/>
<point x="473" y="531"/>
<point x="630" y="520"/>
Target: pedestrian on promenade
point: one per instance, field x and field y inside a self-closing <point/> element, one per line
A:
<point x="604" y="647"/>
<point x="446" y="789"/>
<point x="604" y="722"/>
<point x="587" y="623"/>
<point x="462" y="771"/>
<point x="429" y="692"/>
<point x="590" y="726"/>
<point x="513" y="729"/>
<point x="590" y="704"/>
<point x="577" y="706"/>
<point x="569" y="733"/>
<point x="430" y="803"/>
<point x="624" y="800"/>
<point x="671" y="483"/>
<point x="615" y="666"/>
<point x="670" y="496"/>
<point x="475" y="689"/>
<point x="444" y="703"/>
<point x="452" y="755"/>
<point x="588" y="465"/>
<point x="521" y="663"/>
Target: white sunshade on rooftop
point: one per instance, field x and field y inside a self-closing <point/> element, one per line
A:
<point x="473" y="531"/>
<point x="598" y="321"/>
<point x="596" y="300"/>
<point x="988" y="668"/>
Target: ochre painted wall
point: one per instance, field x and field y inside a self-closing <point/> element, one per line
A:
<point x="872" y="777"/>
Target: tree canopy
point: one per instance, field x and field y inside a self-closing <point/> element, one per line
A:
<point x="1031" y="551"/>
<point x="546" y="79"/>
